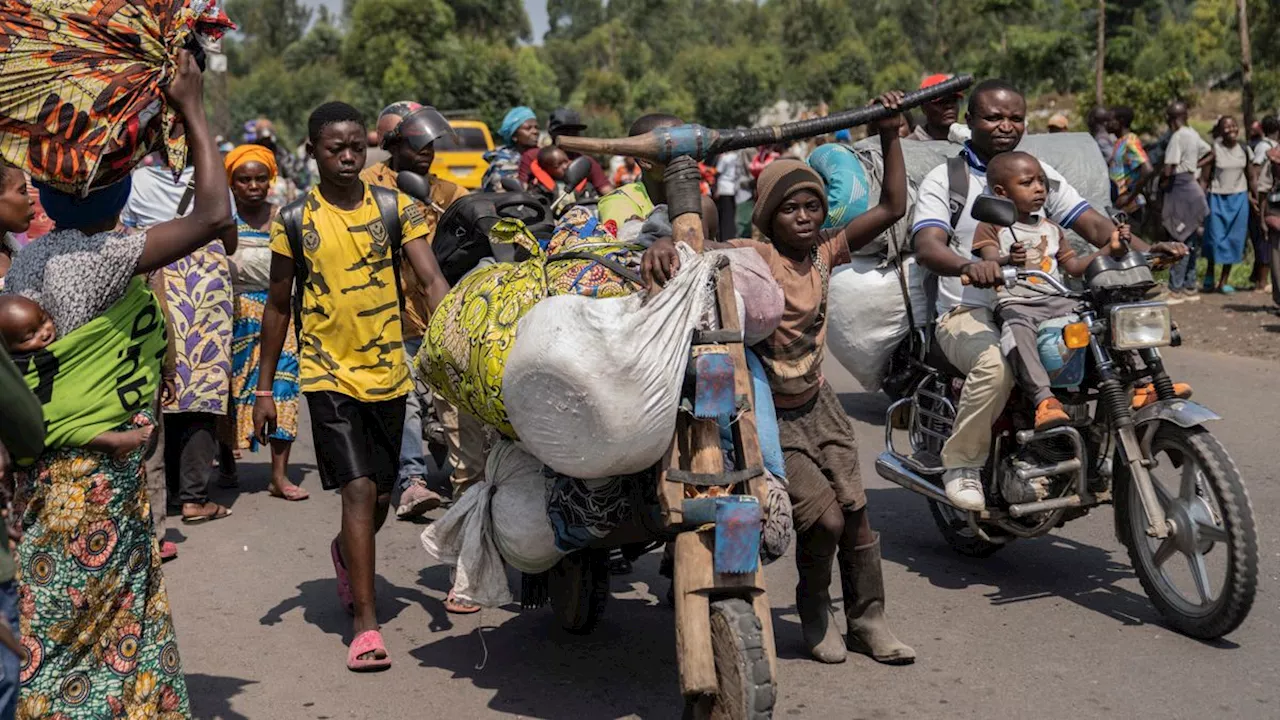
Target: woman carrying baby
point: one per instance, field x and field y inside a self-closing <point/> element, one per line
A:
<point x="95" y="617"/>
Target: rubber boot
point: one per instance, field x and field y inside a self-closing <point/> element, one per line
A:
<point x="813" y="603"/>
<point x="863" y="586"/>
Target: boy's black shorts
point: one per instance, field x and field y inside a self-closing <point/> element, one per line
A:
<point x="355" y="439"/>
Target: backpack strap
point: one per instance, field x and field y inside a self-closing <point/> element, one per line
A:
<point x="388" y="202"/>
<point x="957" y="188"/>
<point x="291" y="218"/>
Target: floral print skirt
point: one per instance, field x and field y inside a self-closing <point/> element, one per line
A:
<point x="95" y="617"/>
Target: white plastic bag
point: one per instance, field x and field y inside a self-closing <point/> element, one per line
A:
<point x="502" y="517"/>
<point x="868" y="318"/>
<point x="592" y="387"/>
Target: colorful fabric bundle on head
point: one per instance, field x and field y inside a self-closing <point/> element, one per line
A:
<point x="81" y="84"/>
<point x="515" y="117"/>
<point x="74" y="211"/>
<point x="245" y="154"/>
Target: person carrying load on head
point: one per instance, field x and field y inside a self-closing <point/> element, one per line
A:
<point x="825" y="486"/>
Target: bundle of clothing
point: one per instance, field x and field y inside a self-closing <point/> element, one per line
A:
<point x="81" y="84"/>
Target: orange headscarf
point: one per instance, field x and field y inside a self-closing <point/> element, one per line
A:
<point x="251" y="153"/>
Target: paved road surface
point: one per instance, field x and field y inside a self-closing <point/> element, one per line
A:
<point x="1054" y="628"/>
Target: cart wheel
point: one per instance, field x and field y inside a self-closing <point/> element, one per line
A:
<point x="579" y="587"/>
<point x="742" y="667"/>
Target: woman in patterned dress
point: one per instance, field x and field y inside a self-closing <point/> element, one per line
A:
<point x="251" y="170"/>
<point x="95" y="617"/>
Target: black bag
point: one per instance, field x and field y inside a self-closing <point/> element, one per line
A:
<point x="462" y="237"/>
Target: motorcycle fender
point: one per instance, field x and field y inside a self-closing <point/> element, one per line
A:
<point x="1182" y="413"/>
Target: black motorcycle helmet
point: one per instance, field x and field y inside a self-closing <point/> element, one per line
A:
<point x="419" y="128"/>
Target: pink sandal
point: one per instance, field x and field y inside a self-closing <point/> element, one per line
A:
<point x="344" y="583"/>
<point x="369" y="641"/>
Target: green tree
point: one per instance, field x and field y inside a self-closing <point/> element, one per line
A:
<point x="730" y="85"/>
<point x="270" y="25"/>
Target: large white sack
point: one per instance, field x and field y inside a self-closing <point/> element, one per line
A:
<point x="502" y="517"/>
<point x="868" y="318"/>
<point x="592" y="387"/>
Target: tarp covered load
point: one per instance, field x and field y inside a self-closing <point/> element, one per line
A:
<point x="81" y="99"/>
<point x="592" y="387"/>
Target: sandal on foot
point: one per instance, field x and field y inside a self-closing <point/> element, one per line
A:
<point x="218" y="513"/>
<point x="168" y="551"/>
<point x="292" y="493"/>
<point x="366" y="643"/>
<point x="455" y="606"/>
<point x="344" y="583"/>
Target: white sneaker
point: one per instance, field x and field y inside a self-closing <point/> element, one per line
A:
<point x="964" y="488"/>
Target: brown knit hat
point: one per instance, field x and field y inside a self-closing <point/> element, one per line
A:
<point x="782" y="179"/>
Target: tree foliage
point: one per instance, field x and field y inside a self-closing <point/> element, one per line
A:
<point x="722" y="62"/>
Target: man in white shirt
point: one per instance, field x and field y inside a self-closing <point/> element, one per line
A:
<point x="966" y="331"/>
<point x="1185" y="206"/>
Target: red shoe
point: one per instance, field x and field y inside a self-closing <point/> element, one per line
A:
<point x="168" y="551"/>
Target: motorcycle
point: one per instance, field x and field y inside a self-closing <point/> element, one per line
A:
<point x="1177" y="493"/>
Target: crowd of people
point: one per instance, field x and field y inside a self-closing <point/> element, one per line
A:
<point x="242" y="301"/>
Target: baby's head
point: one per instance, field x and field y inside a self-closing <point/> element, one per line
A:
<point x="1019" y="177"/>
<point x="554" y="161"/>
<point x="24" y="325"/>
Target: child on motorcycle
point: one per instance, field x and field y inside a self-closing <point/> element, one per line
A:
<point x="1032" y="243"/>
<point x="817" y="437"/>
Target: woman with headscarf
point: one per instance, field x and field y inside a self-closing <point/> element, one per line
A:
<point x="519" y="132"/>
<point x="94" y="612"/>
<point x="251" y="172"/>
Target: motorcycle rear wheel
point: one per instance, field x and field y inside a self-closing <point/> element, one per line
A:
<point x="954" y="526"/>
<point x="1208" y="507"/>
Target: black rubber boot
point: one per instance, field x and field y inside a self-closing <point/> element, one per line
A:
<point x="813" y="603"/>
<point x="863" y="586"/>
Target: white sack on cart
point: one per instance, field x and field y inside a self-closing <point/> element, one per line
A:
<point x="504" y="517"/>
<point x="592" y="387"/>
<point x="868" y="318"/>
<point x="760" y="299"/>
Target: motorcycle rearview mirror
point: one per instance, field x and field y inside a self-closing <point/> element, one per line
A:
<point x="511" y="184"/>
<point x="577" y="171"/>
<point x="414" y="185"/>
<point x="994" y="210"/>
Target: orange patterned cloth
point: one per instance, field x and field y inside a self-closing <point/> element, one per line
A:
<point x="81" y="100"/>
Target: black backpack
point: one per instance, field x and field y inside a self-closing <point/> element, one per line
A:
<point x="291" y="217"/>
<point x="462" y="236"/>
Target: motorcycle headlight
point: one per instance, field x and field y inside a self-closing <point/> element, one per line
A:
<point x="1145" y="325"/>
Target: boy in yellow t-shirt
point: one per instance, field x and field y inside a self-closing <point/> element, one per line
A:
<point x="353" y="371"/>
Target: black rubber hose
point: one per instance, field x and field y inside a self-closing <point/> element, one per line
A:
<point x="754" y="137"/>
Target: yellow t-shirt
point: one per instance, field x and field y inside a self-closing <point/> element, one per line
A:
<point x="352" y="341"/>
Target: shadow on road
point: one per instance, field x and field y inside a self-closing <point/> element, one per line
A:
<point x="318" y="600"/>
<point x="866" y="407"/>
<point x="537" y="670"/>
<point x="1029" y="570"/>
<point x="211" y="695"/>
<point x="255" y="477"/>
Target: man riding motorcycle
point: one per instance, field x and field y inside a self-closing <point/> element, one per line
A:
<point x="943" y="232"/>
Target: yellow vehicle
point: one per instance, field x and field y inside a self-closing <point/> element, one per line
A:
<point x="461" y="160"/>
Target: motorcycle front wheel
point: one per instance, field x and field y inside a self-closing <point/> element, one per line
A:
<point x="1203" y="577"/>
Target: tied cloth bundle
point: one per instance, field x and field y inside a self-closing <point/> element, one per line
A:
<point x="81" y="84"/>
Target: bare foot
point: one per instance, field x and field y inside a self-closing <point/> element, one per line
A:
<point x="122" y="444"/>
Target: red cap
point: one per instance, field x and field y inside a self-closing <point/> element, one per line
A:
<point x="936" y="79"/>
